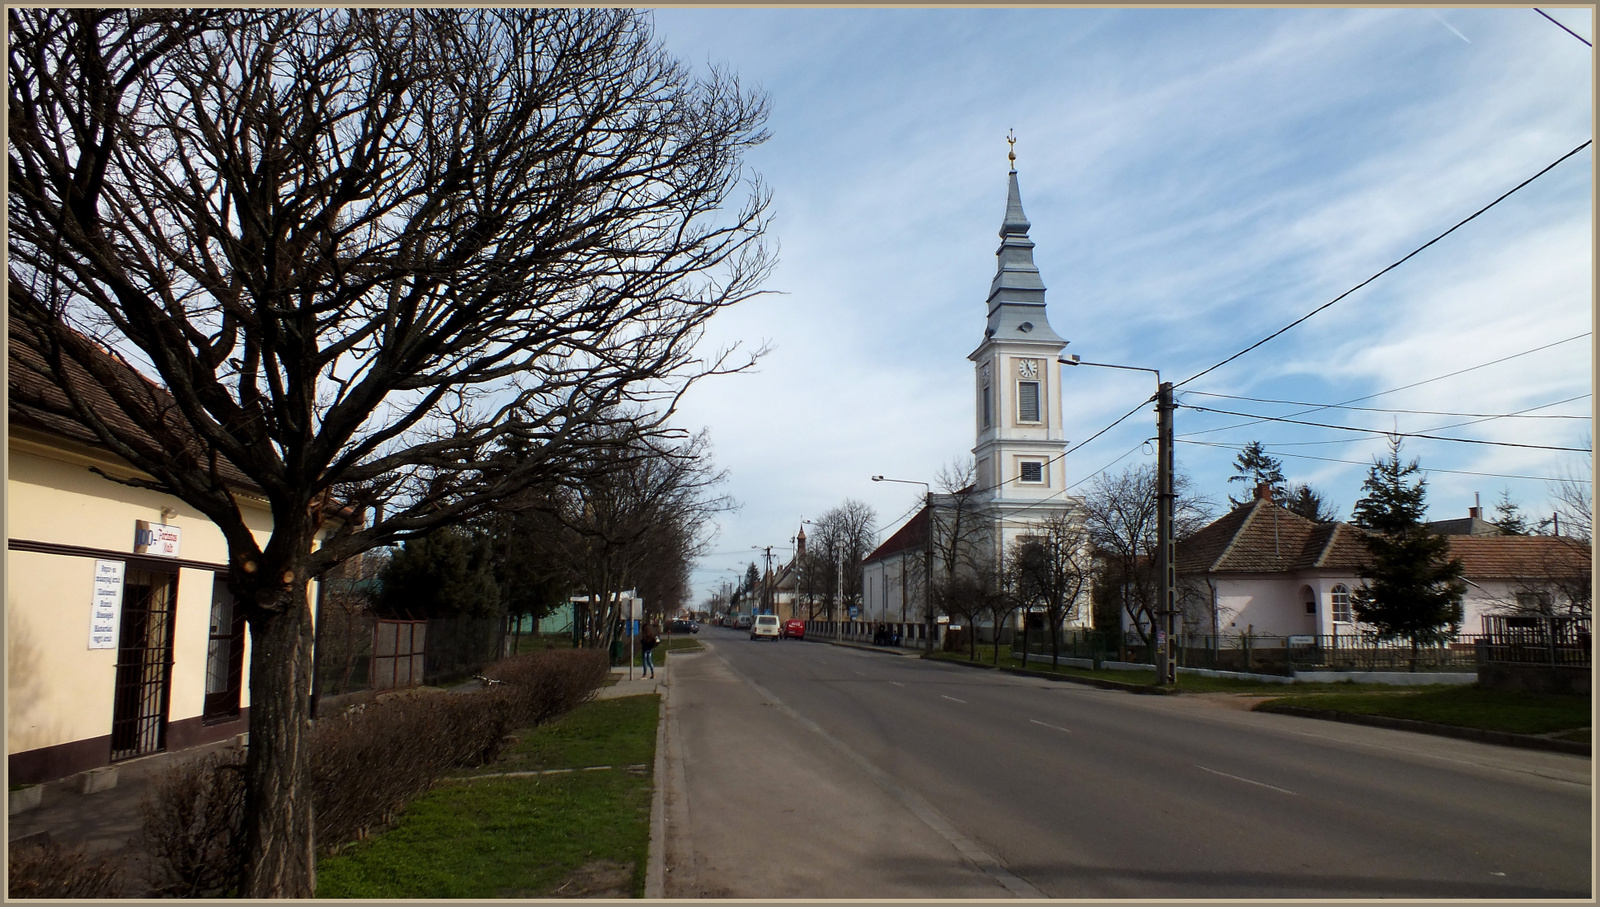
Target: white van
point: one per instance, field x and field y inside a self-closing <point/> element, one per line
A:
<point x="742" y="622"/>
<point x="766" y="625"/>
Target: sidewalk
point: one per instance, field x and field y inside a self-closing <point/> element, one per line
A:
<point x="638" y="686"/>
<point x="104" y="822"/>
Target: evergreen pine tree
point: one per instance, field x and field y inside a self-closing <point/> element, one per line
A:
<point x="1255" y="466"/>
<point x="1307" y="502"/>
<point x="1412" y="587"/>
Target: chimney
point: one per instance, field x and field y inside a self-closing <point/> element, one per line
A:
<point x="1475" y="512"/>
<point x="1264" y="492"/>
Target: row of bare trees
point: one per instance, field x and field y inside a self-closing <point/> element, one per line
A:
<point x="385" y="268"/>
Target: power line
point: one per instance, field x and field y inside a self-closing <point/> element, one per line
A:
<point x="1455" y="472"/>
<point x="1379" y="431"/>
<point x="1394" y="390"/>
<point x="1412" y="412"/>
<point x="1562" y="27"/>
<point x="1386" y="270"/>
<point x="1435" y="428"/>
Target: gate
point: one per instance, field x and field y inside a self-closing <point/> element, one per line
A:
<point x="144" y="664"/>
<point x="398" y="650"/>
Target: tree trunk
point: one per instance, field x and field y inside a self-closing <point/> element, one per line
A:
<point x="281" y="861"/>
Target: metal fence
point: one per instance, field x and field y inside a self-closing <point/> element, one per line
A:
<point x="1276" y="654"/>
<point x="1536" y="640"/>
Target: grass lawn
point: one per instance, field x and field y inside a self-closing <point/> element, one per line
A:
<point x="1515" y="712"/>
<point x="575" y="834"/>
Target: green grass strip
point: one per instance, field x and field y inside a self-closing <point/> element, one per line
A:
<point x="563" y="835"/>
<point x="1511" y="711"/>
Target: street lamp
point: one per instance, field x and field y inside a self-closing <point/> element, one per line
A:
<point x="1167" y="613"/>
<point x="927" y="553"/>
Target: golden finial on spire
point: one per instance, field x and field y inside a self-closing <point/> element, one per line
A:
<point x="1012" y="154"/>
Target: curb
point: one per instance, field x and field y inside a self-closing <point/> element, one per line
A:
<point x="655" y="874"/>
<point x="867" y="648"/>
<point x="1140" y="688"/>
<point x="1526" y="741"/>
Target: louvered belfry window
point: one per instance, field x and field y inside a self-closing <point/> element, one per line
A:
<point x="1027" y="401"/>
<point x="1032" y="471"/>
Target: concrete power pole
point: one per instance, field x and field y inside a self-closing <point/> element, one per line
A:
<point x="1167" y="609"/>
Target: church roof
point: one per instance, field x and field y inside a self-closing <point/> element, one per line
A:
<point x="912" y="536"/>
<point x="1016" y="295"/>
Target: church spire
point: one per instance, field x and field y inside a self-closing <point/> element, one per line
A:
<point x="1016" y="295"/>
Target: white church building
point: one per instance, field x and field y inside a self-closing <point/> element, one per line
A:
<point x="1020" y="440"/>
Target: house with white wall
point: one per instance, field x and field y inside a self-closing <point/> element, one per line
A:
<point x="1263" y="570"/>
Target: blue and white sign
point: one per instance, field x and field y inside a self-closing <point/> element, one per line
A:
<point x="107" y="603"/>
<point x="156" y="538"/>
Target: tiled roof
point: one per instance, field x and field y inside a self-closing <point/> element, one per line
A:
<point x="35" y="398"/>
<point x="1261" y="537"/>
<point x="913" y="535"/>
<point x="1516" y="556"/>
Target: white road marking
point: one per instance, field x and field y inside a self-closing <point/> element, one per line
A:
<point x="953" y="699"/>
<point x="1245" y="780"/>
<point x="1050" y="726"/>
<point x="897" y="683"/>
<point x="861" y="673"/>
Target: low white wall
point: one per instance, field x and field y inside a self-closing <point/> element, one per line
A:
<point x="1394" y="678"/>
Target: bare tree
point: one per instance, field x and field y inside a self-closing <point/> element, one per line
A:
<point x="962" y="536"/>
<point x="1120" y="514"/>
<point x="1572" y="498"/>
<point x="1052" y="568"/>
<point x="845" y="535"/>
<point x="361" y="249"/>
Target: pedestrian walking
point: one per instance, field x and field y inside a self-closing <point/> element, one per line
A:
<point x="647" y="643"/>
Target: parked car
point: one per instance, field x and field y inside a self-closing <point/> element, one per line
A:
<point x="794" y="628"/>
<point x="743" y="622"/>
<point x="766" y="627"/>
<point x="683" y="626"/>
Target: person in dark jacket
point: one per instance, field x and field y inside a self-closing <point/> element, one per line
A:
<point x="648" y="642"/>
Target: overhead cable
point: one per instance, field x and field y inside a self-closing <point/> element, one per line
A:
<point x="1380" y="431"/>
<point x="1386" y="270"/>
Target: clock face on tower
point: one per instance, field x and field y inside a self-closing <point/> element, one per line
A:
<point x="1028" y="368"/>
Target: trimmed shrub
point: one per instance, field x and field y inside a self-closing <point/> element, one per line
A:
<point x="546" y="685"/>
<point x="52" y="870"/>
<point x="367" y="763"/>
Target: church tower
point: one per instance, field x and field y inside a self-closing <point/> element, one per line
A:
<point x="1017" y="380"/>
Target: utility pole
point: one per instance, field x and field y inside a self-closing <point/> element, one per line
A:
<point x="927" y="572"/>
<point x="1167" y="610"/>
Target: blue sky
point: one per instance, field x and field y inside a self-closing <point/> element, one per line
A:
<point x="1196" y="179"/>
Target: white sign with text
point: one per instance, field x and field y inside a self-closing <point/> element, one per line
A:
<point x="156" y="538"/>
<point x="107" y="604"/>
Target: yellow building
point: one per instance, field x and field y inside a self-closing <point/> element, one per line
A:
<point x="121" y="638"/>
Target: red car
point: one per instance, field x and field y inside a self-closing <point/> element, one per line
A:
<point x="794" y="628"/>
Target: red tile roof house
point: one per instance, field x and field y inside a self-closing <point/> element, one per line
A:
<point x="1264" y="570"/>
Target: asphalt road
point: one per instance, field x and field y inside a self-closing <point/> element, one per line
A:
<point x="809" y="770"/>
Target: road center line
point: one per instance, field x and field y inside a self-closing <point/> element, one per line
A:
<point x="1245" y="780"/>
<point x="861" y="673"/>
<point x="897" y="683"/>
<point x="1050" y="726"/>
<point x="953" y="699"/>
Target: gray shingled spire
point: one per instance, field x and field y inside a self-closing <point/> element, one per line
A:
<point x="1016" y="296"/>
